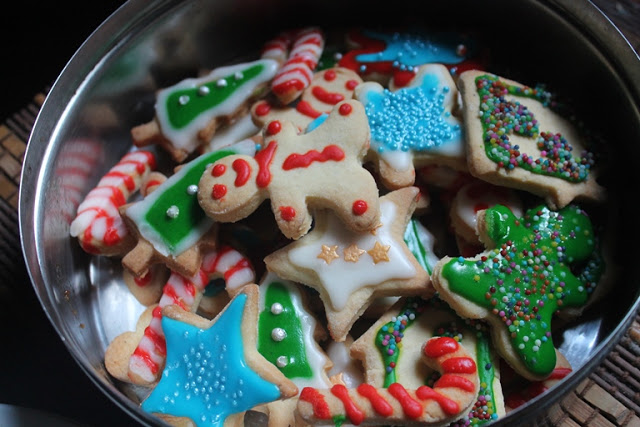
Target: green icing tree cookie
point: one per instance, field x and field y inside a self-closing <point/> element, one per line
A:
<point x="521" y="280"/>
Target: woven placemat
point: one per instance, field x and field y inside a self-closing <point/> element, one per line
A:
<point x="609" y="396"/>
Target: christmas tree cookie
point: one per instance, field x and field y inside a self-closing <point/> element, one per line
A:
<point x="521" y="279"/>
<point x="188" y="113"/>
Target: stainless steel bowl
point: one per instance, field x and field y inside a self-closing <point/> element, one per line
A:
<point x="108" y="87"/>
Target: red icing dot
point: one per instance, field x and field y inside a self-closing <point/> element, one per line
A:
<point x="287" y="213"/>
<point x="351" y="84"/>
<point x="219" y="191"/>
<point x="218" y="170"/>
<point x="359" y="206"/>
<point x="330" y="75"/>
<point x="345" y="109"/>
<point x="274" y="127"/>
<point x="263" y="109"/>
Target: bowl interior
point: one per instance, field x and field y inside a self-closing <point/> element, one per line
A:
<point x="109" y="86"/>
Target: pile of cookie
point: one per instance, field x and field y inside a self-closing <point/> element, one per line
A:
<point x="377" y="231"/>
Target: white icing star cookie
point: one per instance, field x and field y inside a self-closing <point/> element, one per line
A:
<point x="351" y="269"/>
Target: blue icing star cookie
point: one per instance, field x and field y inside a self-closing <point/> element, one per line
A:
<point x="413" y="126"/>
<point x="213" y="369"/>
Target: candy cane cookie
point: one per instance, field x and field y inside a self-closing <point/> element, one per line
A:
<point x="98" y="224"/>
<point x="297" y="71"/>
<point x="188" y="113"/>
<point x="146" y="360"/>
<point x="449" y="399"/>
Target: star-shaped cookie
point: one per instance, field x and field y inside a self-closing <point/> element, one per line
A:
<point x="371" y="264"/>
<point x="213" y="368"/>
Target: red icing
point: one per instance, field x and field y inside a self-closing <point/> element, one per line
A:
<point x="480" y="206"/>
<point x="240" y="265"/>
<point x="379" y="404"/>
<point x="263" y="109"/>
<point x="359" y="207"/>
<point x="303" y="107"/>
<point x="351" y="84"/>
<point x="214" y="265"/>
<point x="143" y="280"/>
<point x="146" y="357"/>
<point x="455" y="381"/>
<point x="559" y="373"/>
<point x="264" y="158"/>
<point x="171" y="293"/>
<point x="152" y="183"/>
<point x="218" y="170"/>
<point x="449" y="406"/>
<point x="289" y="85"/>
<point x="411" y="407"/>
<point x="126" y="179"/>
<point x="330" y="75"/>
<point x="218" y="191"/>
<point x="345" y="109"/>
<point x="273" y="127"/>
<point x="459" y="365"/>
<point x="437" y="347"/>
<point x="327" y="97"/>
<point x="353" y="412"/>
<point x="287" y="213"/>
<point x="243" y="171"/>
<point x="330" y="152"/>
<point x="320" y="407"/>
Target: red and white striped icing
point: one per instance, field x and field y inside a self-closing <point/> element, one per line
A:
<point x="296" y="73"/>
<point x="98" y="224"/>
<point x="147" y="360"/>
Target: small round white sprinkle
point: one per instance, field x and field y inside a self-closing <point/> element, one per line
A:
<point x="221" y="83"/>
<point x="238" y="75"/>
<point x="278" y="334"/>
<point x="282" y="361"/>
<point x="183" y="100"/>
<point x="203" y="90"/>
<point x="192" y="189"/>
<point x="173" y="212"/>
<point x="276" y="308"/>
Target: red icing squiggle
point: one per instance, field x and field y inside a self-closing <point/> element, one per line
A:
<point x="320" y="408"/>
<point x="303" y="107"/>
<point x="329" y="153"/>
<point x="411" y="407"/>
<point x="353" y="412"/>
<point x="323" y="95"/>
<point x="264" y="158"/>
<point x="380" y="405"/>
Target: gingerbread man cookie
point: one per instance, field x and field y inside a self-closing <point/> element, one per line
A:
<point x="327" y="88"/>
<point x="350" y="269"/>
<point x="515" y="139"/>
<point x="413" y="126"/>
<point x="188" y="113"/>
<point x="521" y="279"/>
<point x="322" y="168"/>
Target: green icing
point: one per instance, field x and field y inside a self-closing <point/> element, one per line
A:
<point x="500" y="118"/>
<point x="527" y="276"/>
<point x="181" y="113"/>
<point x="415" y="245"/>
<point x="173" y="192"/>
<point x="390" y="336"/>
<point x="293" y="346"/>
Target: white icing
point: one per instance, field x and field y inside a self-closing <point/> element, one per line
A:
<point x="240" y="129"/>
<point x="187" y="137"/>
<point x="343" y="363"/>
<point x="468" y="204"/>
<point x="342" y="278"/>
<point x="316" y="358"/>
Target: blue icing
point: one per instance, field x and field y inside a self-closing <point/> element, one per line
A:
<point x="206" y="377"/>
<point x="407" y="51"/>
<point x="316" y="122"/>
<point x="411" y="119"/>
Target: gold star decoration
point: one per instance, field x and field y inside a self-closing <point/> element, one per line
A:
<point x="374" y="230"/>
<point x="352" y="253"/>
<point x="328" y="253"/>
<point x="379" y="252"/>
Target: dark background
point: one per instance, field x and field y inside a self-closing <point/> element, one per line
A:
<point x="38" y="39"/>
<point x="36" y="370"/>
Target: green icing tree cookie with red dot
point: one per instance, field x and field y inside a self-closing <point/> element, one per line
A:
<point x="521" y="279"/>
